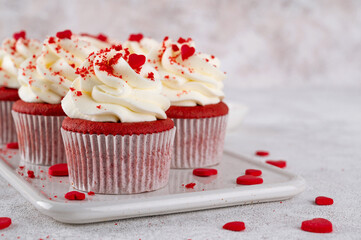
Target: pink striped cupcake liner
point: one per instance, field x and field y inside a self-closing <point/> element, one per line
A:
<point x="7" y="126"/>
<point x="39" y="138"/>
<point x="109" y="164"/>
<point x="198" y="142"/>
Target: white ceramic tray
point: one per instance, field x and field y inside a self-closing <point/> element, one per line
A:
<point x="46" y="193"/>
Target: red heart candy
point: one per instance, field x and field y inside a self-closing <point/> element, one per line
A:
<point x="249" y="180"/>
<point x="187" y="51"/>
<point x="18" y="35"/>
<point x="59" y="170"/>
<point x="12" y="145"/>
<point x="190" y="185"/>
<point x="205" y="172"/>
<point x="253" y="172"/>
<point x="64" y="34"/>
<point x="323" y="200"/>
<point x="74" y="195"/>
<point x="31" y="174"/>
<point x="262" y="153"/>
<point x="136" y="61"/>
<point x="280" y="163"/>
<point x="317" y="225"/>
<point x="135" y="37"/>
<point x="234" y="226"/>
<point x="5" y="222"/>
<point x="91" y="193"/>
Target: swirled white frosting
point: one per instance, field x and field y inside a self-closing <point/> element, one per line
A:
<point x="188" y="80"/>
<point x="48" y="77"/>
<point x="110" y="90"/>
<point x="143" y="46"/>
<point x="12" y="53"/>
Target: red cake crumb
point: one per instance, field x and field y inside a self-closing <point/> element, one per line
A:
<point x="204" y="172"/>
<point x="262" y="153"/>
<point x="59" y="170"/>
<point x="175" y="48"/>
<point x="253" y="172"/>
<point x="190" y="185"/>
<point x="64" y="34"/>
<point x="279" y="163"/>
<point x="31" y="174"/>
<point x="9" y="94"/>
<point x="207" y="111"/>
<point x="317" y="225"/>
<point x="18" y="35"/>
<point x="21" y="167"/>
<point x="12" y="145"/>
<point x="74" y="195"/>
<point x="235" y="226"/>
<point x="43" y="109"/>
<point x="151" y="76"/>
<point x="135" y="37"/>
<point x="91" y="193"/>
<point x="321" y="200"/>
<point x="106" y="128"/>
<point x="187" y="52"/>
<point x="4" y="222"/>
<point x="249" y="180"/>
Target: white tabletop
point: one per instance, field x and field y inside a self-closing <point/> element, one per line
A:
<point x="318" y="132"/>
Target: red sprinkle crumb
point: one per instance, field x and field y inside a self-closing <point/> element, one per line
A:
<point x="321" y="200"/>
<point x="4" y="222"/>
<point x="74" y="195"/>
<point x="78" y="93"/>
<point x="31" y="174"/>
<point x="72" y="89"/>
<point x="59" y="170"/>
<point x="204" y="172"/>
<point x="99" y="106"/>
<point x="135" y="37"/>
<point x="151" y="76"/>
<point x="249" y="180"/>
<point x="175" y="48"/>
<point x="21" y="167"/>
<point x="12" y="145"/>
<point x="190" y="185"/>
<point x="317" y="225"/>
<point x="18" y="35"/>
<point x="235" y="226"/>
<point x="280" y="163"/>
<point x="187" y="51"/>
<point x="253" y="172"/>
<point x="91" y="193"/>
<point x="262" y="153"/>
<point x="64" y="34"/>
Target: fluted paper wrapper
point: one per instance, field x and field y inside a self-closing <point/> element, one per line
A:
<point x="7" y="126"/>
<point x="198" y="142"/>
<point x="39" y="138"/>
<point x="118" y="164"/>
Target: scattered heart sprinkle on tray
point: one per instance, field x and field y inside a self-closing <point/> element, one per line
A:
<point x="317" y="225"/>
<point x="205" y="172"/>
<point x="321" y="200"/>
<point x="235" y="226"/>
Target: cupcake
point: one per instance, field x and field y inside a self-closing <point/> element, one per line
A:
<point x="193" y="82"/>
<point x="117" y="137"/>
<point x="12" y="53"/>
<point x="44" y="80"/>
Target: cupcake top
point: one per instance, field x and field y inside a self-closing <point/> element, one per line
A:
<point x="13" y="52"/>
<point x="48" y="76"/>
<point x="116" y="86"/>
<point x="189" y="78"/>
<point x="139" y="44"/>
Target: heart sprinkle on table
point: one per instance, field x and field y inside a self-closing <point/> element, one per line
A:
<point x="321" y="200"/>
<point x="31" y="174"/>
<point x="253" y="172"/>
<point x="262" y="153"/>
<point x="204" y="172"/>
<point x="190" y="185"/>
<point x="74" y="195"/>
<point x="249" y="180"/>
<point x="317" y="225"/>
<point x="235" y="226"/>
<point x="5" y="222"/>
<point x="12" y="145"/>
<point x="59" y="170"/>
<point x="91" y="193"/>
<point x="279" y="163"/>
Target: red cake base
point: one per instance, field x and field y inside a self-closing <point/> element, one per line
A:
<point x="108" y="128"/>
<point x="207" y="111"/>
<point x="43" y="109"/>
<point x="9" y="94"/>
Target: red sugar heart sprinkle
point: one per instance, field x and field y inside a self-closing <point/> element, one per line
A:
<point x="253" y="172"/>
<point x="204" y="172"/>
<point x="280" y="163"/>
<point x="59" y="170"/>
<point x="74" y="195"/>
<point x="190" y="185"/>
<point x="321" y="200"/>
<point x="262" y="153"/>
<point x="91" y="193"/>
<point x="31" y="174"/>
<point x="136" y="61"/>
<point x="4" y="222"/>
<point x="187" y="51"/>
<point x="64" y="34"/>
<point x="234" y="226"/>
<point x="18" y="35"/>
<point x="135" y="37"/>
<point x="249" y="180"/>
<point x="317" y="225"/>
<point x="181" y="40"/>
<point x="12" y="145"/>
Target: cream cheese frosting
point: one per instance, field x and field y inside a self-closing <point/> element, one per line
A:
<point x="47" y="77"/>
<point x="139" y="44"/>
<point x="189" y="78"/>
<point x="116" y="86"/>
<point x="13" y="52"/>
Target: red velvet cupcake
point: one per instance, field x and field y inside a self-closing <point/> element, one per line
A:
<point x="118" y="139"/>
<point x="12" y="53"/>
<point x="193" y="82"/>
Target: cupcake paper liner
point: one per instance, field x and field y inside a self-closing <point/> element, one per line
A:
<point x="198" y="142"/>
<point x="39" y="138"/>
<point x="118" y="164"/>
<point x="7" y="126"/>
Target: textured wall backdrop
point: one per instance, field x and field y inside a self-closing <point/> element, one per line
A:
<point x="260" y="43"/>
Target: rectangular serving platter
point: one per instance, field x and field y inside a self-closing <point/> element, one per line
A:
<point x="46" y="193"/>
